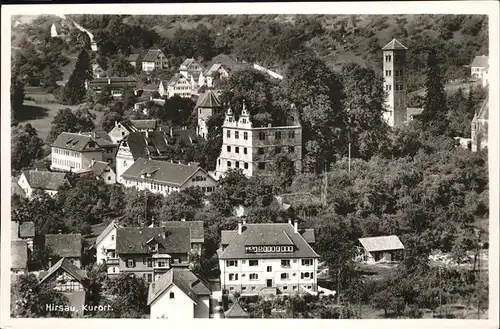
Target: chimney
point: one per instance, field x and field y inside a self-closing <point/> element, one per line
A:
<point x="296" y="226"/>
<point x="109" y="81"/>
<point x="290" y="221"/>
<point x="244" y="220"/>
<point x="240" y="226"/>
<point x="171" y="132"/>
<point x="116" y="123"/>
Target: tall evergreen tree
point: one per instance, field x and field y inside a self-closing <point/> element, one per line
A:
<point x="74" y="91"/>
<point x="434" y="116"/>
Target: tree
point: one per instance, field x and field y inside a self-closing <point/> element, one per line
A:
<point x="283" y="170"/>
<point x="130" y="299"/>
<point x="104" y="96"/>
<point x="128" y="98"/>
<point x="96" y="278"/>
<point x="182" y="205"/>
<point x="122" y="68"/>
<point x="16" y="99"/>
<point x="109" y="119"/>
<point x="26" y="146"/>
<point x="68" y="121"/>
<point x="74" y="90"/>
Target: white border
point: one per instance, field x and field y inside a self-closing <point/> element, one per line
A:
<point x="490" y="8"/>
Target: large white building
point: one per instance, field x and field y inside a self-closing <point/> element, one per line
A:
<point x="254" y="149"/>
<point x="268" y="258"/>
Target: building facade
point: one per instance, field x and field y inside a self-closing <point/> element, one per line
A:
<point x="216" y="72"/>
<point x="154" y="59"/>
<point x="125" y="127"/>
<point x="105" y="247"/>
<point x="254" y="149"/>
<point x="116" y="85"/>
<point x="46" y="181"/>
<point x="479" y="67"/>
<point x="395" y="82"/>
<point x="208" y="104"/>
<point x="67" y="246"/>
<point x="270" y="257"/>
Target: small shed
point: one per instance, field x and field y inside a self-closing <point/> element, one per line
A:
<point x="381" y="248"/>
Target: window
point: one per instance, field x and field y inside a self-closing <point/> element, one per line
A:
<point x="243" y="288"/>
<point x="305" y="275"/>
<point x="172" y="295"/>
<point x="253" y="262"/>
<point x="245" y="150"/>
<point x="229" y="148"/>
<point x="231" y="276"/>
<point x="236" y="149"/>
<point x="245" y="135"/>
<point x="262" y="165"/>
<point x="229" y="134"/>
<point x="229" y="163"/>
<point x="291" y="134"/>
<point x="285" y="287"/>
<point x="124" y="163"/>
<point x="231" y="288"/>
<point x="269" y="269"/>
<point x="291" y="149"/>
<point x="294" y="288"/>
<point x="260" y="150"/>
<point x="112" y="238"/>
<point x="307" y="262"/>
<point x="388" y="87"/>
<point x="277" y="135"/>
<point x="253" y="276"/>
<point x="236" y="135"/>
<point x="237" y="164"/>
<point x="277" y="150"/>
<point x="262" y="136"/>
<point x="284" y="276"/>
<point x="231" y="263"/>
<point x="285" y="263"/>
<point x="246" y="165"/>
<point x="149" y="262"/>
<point x="253" y="288"/>
<point x="150" y="277"/>
<point x="388" y="58"/>
<point x="130" y="263"/>
<point x="388" y="73"/>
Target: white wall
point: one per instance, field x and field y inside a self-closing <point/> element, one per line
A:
<point x="109" y="242"/>
<point x="109" y="177"/>
<point x="124" y="160"/>
<point x="148" y="66"/>
<point x="23" y="182"/>
<point x="181" y="307"/>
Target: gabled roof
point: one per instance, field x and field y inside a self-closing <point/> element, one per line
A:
<point x="27" y="230"/>
<point x="379" y="243"/>
<point x="184" y="279"/>
<point x="113" y="225"/>
<point x="161" y="171"/>
<point x="75" y="142"/>
<point x="482" y="113"/>
<point x="187" y="63"/>
<point x="151" y="55"/>
<point x="98" y="167"/>
<point x="117" y="82"/>
<point x="266" y="234"/>
<point x="145" y="144"/>
<point x="100" y="137"/>
<point x="45" y="180"/>
<point x="188" y="136"/>
<point x="175" y="79"/>
<point x="144" y="124"/>
<point x="394" y="45"/>
<point x="133" y="57"/>
<point x="19" y="254"/>
<point x="133" y="240"/>
<point x="64" y="264"/>
<point x="102" y="134"/>
<point x="236" y="311"/>
<point x="213" y="69"/>
<point x="195" y="227"/>
<point x="480" y="61"/>
<point x="208" y="100"/>
<point x="64" y="245"/>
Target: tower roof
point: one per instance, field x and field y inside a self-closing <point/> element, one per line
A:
<point x="394" y="45"/>
<point x="209" y="99"/>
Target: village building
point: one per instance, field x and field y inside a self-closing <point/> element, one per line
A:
<point x="190" y="68"/>
<point x="24" y="231"/>
<point x="125" y="127"/>
<point x="179" y="294"/>
<point x="215" y="73"/>
<point x="254" y="149"/>
<point x="413" y="113"/>
<point x="177" y="85"/>
<point x="134" y="59"/>
<point x="19" y="257"/>
<point x="116" y="85"/>
<point x="479" y="127"/>
<point x="70" y="281"/>
<point x="268" y="258"/>
<point x="208" y="104"/>
<point x="154" y="59"/>
<point x="149" y="252"/>
<point x="196" y="231"/>
<point x="188" y="136"/>
<point x="236" y="312"/>
<point x="479" y="67"/>
<point x="46" y="181"/>
<point x="75" y="151"/>
<point x="381" y="249"/>
<point x="98" y="72"/>
<point x="163" y="177"/>
<point x="101" y="171"/>
<point x="67" y="246"/>
<point x="395" y="82"/>
<point x="105" y="247"/>
<point x="140" y="144"/>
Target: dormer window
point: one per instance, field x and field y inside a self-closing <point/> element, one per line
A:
<point x="153" y="248"/>
<point x="91" y="144"/>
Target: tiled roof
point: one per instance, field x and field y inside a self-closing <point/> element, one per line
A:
<point x="269" y="234"/>
<point x="19" y="254"/>
<point x="188" y="136"/>
<point x="142" y="144"/>
<point x="227" y="236"/>
<point x="45" y="180"/>
<point x="480" y="61"/>
<point x="308" y="234"/>
<point x="379" y="243"/>
<point x="64" y="245"/>
<point x="151" y="55"/>
<point x="106" y="231"/>
<point x="27" y="230"/>
<point x="133" y="240"/>
<point x="195" y="226"/>
<point x="236" y="311"/>
<point x="118" y="82"/>
<point x="98" y="167"/>
<point x="102" y="134"/>
<point x="161" y="171"/>
<point x="144" y="124"/>
<point x="133" y="57"/>
<point x="64" y="264"/>
<point x="394" y="45"/>
<point x="213" y="69"/>
<point x="187" y="63"/>
<point x="74" y="141"/>
<point x="101" y="139"/>
<point x="184" y="279"/>
<point x="208" y="100"/>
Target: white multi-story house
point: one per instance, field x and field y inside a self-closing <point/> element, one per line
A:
<point x="164" y="177"/>
<point x="76" y="151"/>
<point x="190" y="68"/>
<point x="47" y="181"/>
<point x="254" y="149"/>
<point x="268" y="258"/>
<point x="216" y="72"/>
<point x="479" y="67"/>
<point x="178" y="85"/>
<point x="179" y="294"/>
<point x="154" y="59"/>
<point x="207" y="105"/>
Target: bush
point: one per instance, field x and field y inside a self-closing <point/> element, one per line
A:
<point x="99" y="107"/>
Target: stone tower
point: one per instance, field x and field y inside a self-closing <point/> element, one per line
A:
<point x="395" y="82"/>
<point x="207" y="106"/>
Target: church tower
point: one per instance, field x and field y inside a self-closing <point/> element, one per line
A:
<point x="395" y="82"/>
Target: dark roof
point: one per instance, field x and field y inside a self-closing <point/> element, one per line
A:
<point x="267" y="234"/>
<point x="102" y="134"/>
<point x="187" y="63"/>
<point x="15" y="188"/>
<point x="144" y="124"/>
<point x="113" y="82"/>
<point x="394" y="45"/>
<point x="188" y="136"/>
<point x="133" y="240"/>
<point x="184" y="279"/>
<point x="64" y="245"/>
<point x="151" y="55"/>
<point x="19" y="254"/>
<point x="480" y="61"/>
<point x="161" y="171"/>
<point x="27" y="230"/>
<point x="68" y="267"/>
<point x="76" y="142"/>
<point x="195" y="226"/>
<point x="101" y="139"/>
<point x="236" y="311"/>
<point x="98" y="167"/>
<point x="379" y="243"/>
<point x="45" y="180"/>
<point x="133" y="57"/>
<point x="208" y="100"/>
<point x="106" y="231"/>
<point x="145" y="144"/>
<point x="308" y="235"/>
<point x="227" y="236"/>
